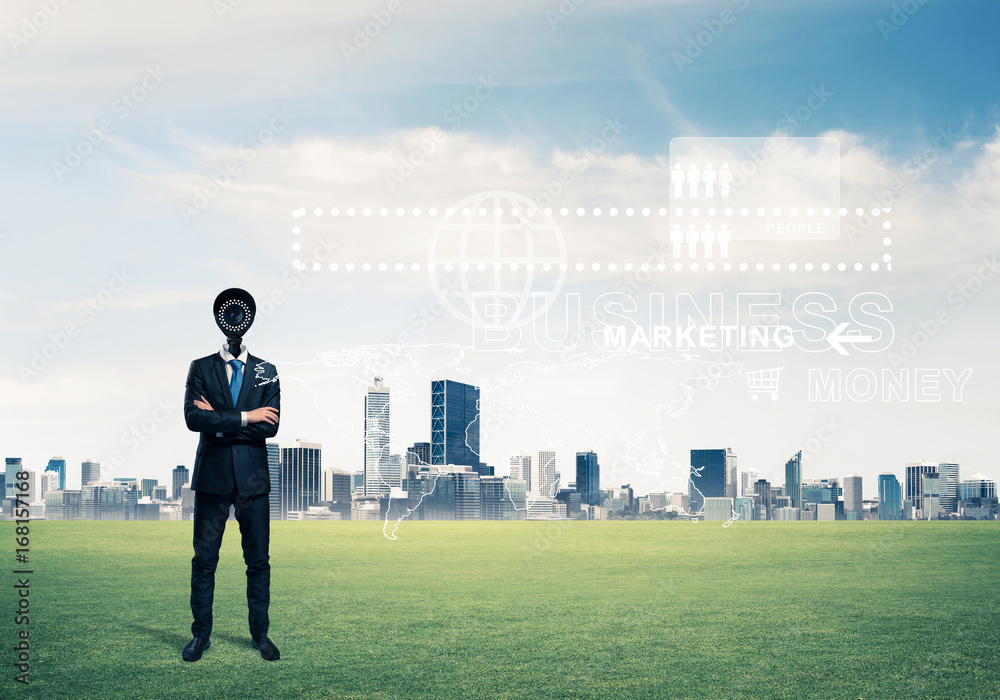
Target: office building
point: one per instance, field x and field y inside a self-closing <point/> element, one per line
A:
<point x="12" y="467"/>
<point x="146" y="487"/>
<point x="747" y="482"/>
<point x="62" y="504"/>
<point x="713" y="475"/>
<point x="930" y="505"/>
<point x="417" y="456"/>
<point x="377" y="440"/>
<point x="977" y="486"/>
<point x="913" y="487"/>
<point x="180" y="476"/>
<point x="49" y="481"/>
<point x="787" y="513"/>
<point x="890" y="497"/>
<point x="455" y="425"/>
<point x="335" y="491"/>
<point x="717" y="508"/>
<point x="588" y="478"/>
<point x="466" y="495"/>
<point x="274" y="476"/>
<point x="90" y="472"/>
<point x="744" y="509"/>
<point x="546" y="471"/>
<point x="58" y="465"/>
<point x="301" y="465"/>
<point x="948" y="484"/>
<point x="762" y="489"/>
<point x="853" y="502"/>
<point x="793" y="480"/>
<point x="520" y="468"/>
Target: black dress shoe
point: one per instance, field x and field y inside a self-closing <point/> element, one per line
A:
<point x="192" y="652"/>
<point x="267" y="650"/>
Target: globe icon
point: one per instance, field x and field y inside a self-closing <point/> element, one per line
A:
<point x="496" y="258"/>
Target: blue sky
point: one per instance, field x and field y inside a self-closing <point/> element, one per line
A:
<point x="353" y="121"/>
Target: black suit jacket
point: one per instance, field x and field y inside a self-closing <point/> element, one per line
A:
<point x="239" y="456"/>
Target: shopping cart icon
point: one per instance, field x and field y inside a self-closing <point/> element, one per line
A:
<point x="764" y="381"/>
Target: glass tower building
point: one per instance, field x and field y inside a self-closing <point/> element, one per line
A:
<point x="793" y="479"/>
<point x="274" y="473"/>
<point x="713" y="475"/>
<point x="890" y="497"/>
<point x="58" y="465"/>
<point x="300" y="480"/>
<point x="588" y="478"/>
<point x="455" y="425"/>
<point x="377" y="440"/>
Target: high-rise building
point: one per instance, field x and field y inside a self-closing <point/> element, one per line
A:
<point x="793" y="479"/>
<point x="466" y="495"/>
<point x="455" y="425"/>
<point x="747" y="483"/>
<point x="852" y="497"/>
<point x="159" y="494"/>
<point x="358" y="482"/>
<point x="49" y="481"/>
<point x="377" y="440"/>
<point x="547" y="473"/>
<point x="762" y="489"/>
<point x="58" y="465"/>
<point x="948" y="478"/>
<point x="62" y="504"/>
<point x="146" y="487"/>
<point x="588" y="478"/>
<point x="181" y="476"/>
<point x="300" y="476"/>
<point x="890" y="497"/>
<point x="418" y="455"/>
<point x="717" y="508"/>
<point x="744" y="509"/>
<point x="930" y="504"/>
<point x="274" y="476"/>
<point x="336" y="491"/>
<point x="90" y="471"/>
<point x="913" y="481"/>
<point x="977" y="486"/>
<point x="713" y="475"/>
<point x="11" y="468"/>
<point x="520" y="468"/>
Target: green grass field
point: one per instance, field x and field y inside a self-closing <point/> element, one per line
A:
<point x="524" y="610"/>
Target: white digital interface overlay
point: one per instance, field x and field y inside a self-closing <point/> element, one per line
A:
<point x="733" y="212"/>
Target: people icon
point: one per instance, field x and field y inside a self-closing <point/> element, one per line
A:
<point x="709" y="177"/>
<point x="692" y="241"/>
<point x="676" y="238"/>
<point x="725" y="180"/>
<point x="693" y="178"/>
<point x="707" y="239"/>
<point x="677" y="180"/>
<point x="725" y="236"/>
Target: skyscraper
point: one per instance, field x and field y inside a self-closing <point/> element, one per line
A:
<point x="520" y="468"/>
<point x="90" y="471"/>
<point x="977" y="486"/>
<point x="948" y="478"/>
<point x="146" y="487"/>
<point x="930" y="489"/>
<point x="418" y="455"/>
<point x="455" y="425"/>
<point x="300" y="476"/>
<point x="546" y="473"/>
<point x="762" y="489"/>
<point x="181" y="476"/>
<point x="58" y="465"/>
<point x="12" y="465"/>
<point x="274" y="474"/>
<point x="713" y="475"/>
<point x="747" y="482"/>
<point x="914" y="474"/>
<point x="377" y="439"/>
<point x="890" y="497"/>
<point x="588" y="478"/>
<point x="852" y="498"/>
<point x="793" y="479"/>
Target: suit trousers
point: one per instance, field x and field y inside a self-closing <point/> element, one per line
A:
<point x="211" y="511"/>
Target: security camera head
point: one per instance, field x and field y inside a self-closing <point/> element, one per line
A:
<point x="234" y="310"/>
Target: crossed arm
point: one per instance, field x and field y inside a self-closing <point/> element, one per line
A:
<point x="200" y="416"/>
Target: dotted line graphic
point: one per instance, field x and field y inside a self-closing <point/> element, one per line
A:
<point x="301" y="212"/>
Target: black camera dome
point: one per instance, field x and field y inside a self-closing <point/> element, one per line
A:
<point x="234" y="310"/>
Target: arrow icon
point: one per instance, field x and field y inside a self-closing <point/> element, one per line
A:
<point x="837" y="338"/>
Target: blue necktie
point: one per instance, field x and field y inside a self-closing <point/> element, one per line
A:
<point x="237" y="381"/>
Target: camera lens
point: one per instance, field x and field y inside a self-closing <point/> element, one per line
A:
<point x="234" y="315"/>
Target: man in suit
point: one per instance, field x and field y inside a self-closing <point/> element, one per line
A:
<point x="233" y="401"/>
